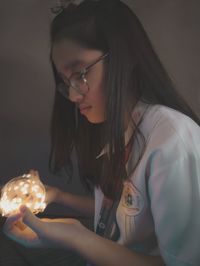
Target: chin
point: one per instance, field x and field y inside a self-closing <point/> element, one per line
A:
<point x="95" y="120"/>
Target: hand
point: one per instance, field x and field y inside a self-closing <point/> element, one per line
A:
<point x="42" y="232"/>
<point x="34" y="173"/>
<point x="52" y="193"/>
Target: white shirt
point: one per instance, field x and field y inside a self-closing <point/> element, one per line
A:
<point x="159" y="211"/>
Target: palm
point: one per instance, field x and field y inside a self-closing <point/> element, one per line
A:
<point x="26" y="236"/>
<point x="50" y="233"/>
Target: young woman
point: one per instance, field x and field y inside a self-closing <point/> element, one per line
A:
<point x="137" y="144"/>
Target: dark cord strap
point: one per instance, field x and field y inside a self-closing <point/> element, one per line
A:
<point x="107" y="225"/>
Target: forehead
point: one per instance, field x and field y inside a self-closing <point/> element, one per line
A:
<point x="69" y="54"/>
<point x="66" y="49"/>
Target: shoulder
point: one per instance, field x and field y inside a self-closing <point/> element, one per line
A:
<point x="172" y="169"/>
<point x="163" y="124"/>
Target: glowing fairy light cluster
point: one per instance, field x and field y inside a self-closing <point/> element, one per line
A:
<point x="23" y="190"/>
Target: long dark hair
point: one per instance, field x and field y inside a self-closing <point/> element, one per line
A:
<point x="133" y="71"/>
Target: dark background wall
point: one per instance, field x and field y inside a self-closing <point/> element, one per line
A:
<point x="26" y="86"/>
<point x="174" y="29"/>
<point x="26" y="92"/>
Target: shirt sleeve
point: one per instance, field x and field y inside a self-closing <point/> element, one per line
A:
<point x="173" y="171"/>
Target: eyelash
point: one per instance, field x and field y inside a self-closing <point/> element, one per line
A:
<point x="63" y="78"/>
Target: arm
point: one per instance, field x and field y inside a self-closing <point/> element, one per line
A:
<point x="104" y="252"/>
<point x="173" y="184"/>
<point x="71" y="234"/>
<point x="82" y="204"/>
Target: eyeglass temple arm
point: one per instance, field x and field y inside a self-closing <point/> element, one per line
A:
<point x="99" y="59"/>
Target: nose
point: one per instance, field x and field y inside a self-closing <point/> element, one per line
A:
<point x="75" y="96"/>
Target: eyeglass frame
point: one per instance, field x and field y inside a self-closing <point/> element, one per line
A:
<point x="63" y="88"/>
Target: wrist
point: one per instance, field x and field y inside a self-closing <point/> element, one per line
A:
<point x="58" y="195"/>
<point x="52" y="194"/>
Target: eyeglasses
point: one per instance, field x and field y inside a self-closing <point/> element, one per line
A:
<point x="77" y="80"/>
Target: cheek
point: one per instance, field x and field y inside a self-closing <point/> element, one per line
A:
<point x="98" y="95"/>
<point x="97" y="88"/>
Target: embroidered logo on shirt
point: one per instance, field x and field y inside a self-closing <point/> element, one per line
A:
<point x="132" y="200"/>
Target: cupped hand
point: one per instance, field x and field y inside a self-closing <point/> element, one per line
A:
<point x="53" y="233"/>
<point x="16" y="230"/>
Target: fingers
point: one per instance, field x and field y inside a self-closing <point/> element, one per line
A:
<point x="10" y="222"/>
<point x="24" y="236"/>
<point x="34" y="172"/>
<point x="31" y="220"/>
<point x="27" y="217"/>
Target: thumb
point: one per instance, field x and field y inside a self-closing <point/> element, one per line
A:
<point x="30" y="219"/>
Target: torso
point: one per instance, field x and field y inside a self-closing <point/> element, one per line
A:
<point x="168" y="137"/>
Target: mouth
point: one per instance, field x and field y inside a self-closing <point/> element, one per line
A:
<point x="85" y="109"/>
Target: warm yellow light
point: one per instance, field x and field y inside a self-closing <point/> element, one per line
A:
<point x="23" y="190"/>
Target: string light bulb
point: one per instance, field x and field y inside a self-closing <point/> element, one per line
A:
<point x="23" y="190"/>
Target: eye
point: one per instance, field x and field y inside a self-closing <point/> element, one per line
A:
<point x="78" y="76"/>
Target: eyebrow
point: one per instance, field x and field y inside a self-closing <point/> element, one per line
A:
<point x="71" y="65"/>
<point x="74" y="64"/>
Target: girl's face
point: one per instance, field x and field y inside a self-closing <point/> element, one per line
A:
<point x="68" y="58"/>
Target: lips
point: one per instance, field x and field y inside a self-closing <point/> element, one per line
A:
<point x="84" y="108"/>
